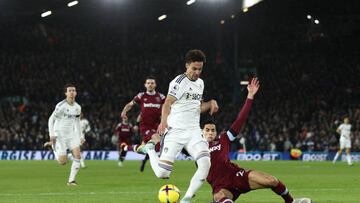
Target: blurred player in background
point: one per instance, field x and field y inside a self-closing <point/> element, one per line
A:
<point x="345" y="141"/>
<point x="227" y="179"/>
<point x="65" y="131"/>
<point x="85" y="128"/>
<point x="180" y="124"/>
<point x="150" y="103"/>
<point x="124" y="131"/>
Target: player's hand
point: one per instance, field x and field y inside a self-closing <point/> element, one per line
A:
<point x="162" y="128"/>
<point x="123" y="115"/>
<point x="253" y="87"/>
<point x="213" y="106"/>
<point x="82" y="141"/>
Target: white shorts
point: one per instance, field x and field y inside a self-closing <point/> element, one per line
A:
<point x="345" y="143"/>
<point x="177" y="139"/>
<point x="65" y="142"/>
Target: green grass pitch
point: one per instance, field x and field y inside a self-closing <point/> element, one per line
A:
<point x="105" y="182"/>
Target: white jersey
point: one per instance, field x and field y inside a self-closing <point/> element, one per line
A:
<point x="65" y="119"/>
<point x="85" y="127"/>
<point x="345" y="131"/>
<point x="185" y="111"/>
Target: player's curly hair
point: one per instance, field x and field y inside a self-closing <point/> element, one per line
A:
<point x="195" y="55"/>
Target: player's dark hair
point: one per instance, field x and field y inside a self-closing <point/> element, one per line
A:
<point x="208" y="121"/>
<point x="195" y="55"/>
<point x="68" y="85"/>
<point x="150" y="77"/>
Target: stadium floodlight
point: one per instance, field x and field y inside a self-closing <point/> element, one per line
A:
<point x="316" y="21"/>
<point x="222" y="22"/>
<point x="73" y="3"/>
<point x="245" y="9"/>
<point x="190" y="2"/>
<point x="47" y="13"/>
<point x="308" y="17"/>
<point x="160" y="18"/>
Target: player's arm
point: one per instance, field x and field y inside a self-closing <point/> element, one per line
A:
<point x="211" y="106"/>
<point x="165" y="111"/>
<point x="51" y="122"/>
<point x="236" y="126"/>
<point x="127" y="108"/>
<point x="78" y="128"/>
<point x="338" y="130"/>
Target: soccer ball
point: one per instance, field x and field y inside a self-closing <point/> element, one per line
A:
<point x="295" y="153"/>
<point x="169" y="194"/>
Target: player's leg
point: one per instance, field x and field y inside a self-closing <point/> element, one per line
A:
<point x="82" y="160"/>
<point x="348" y="156"/>
<point x="74" y="146"/>
<point x="198" y="148"/>
<point x="121" y="149"/>
<point x="60" y="150"/>
<point x="258" y="180"/>
<point x="223" y="196"/>
<point x="338" y="153"/>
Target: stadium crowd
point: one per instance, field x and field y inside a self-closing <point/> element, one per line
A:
<point x="308" y="84"/>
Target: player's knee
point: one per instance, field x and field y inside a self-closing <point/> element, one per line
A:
<point x="164" y="170"/>
<point x="62" y="162"/>
<point x="219" y="195"/>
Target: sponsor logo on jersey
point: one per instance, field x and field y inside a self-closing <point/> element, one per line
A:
<point x="190" y="96"/>
<point x="151" y="105"/>
<point x="71" y="115"/>
<point x="125" y="130"/>
<point x="215" y="148"/>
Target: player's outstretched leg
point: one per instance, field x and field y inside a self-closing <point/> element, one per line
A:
<point x="161" y="168"/>
<point x="200" y="152"/>
<point x="258" y="180"/>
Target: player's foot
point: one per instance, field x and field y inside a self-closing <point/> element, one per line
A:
<point x="144" y="148"/>
<point x="72" y="183"/>
<point x="351" y="164"/>
<point x="120" y="164"/>
<point x="83" y="166"/>
<point x="302" y="200"/>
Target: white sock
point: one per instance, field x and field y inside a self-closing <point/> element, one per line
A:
<point x="336" y="157"/>
<point x="348" y="158"/>
<point x="161" y="172"/>
<point x="199" y="177"/>
<point x="82" y="162"/>
<point x="74" y="169"/>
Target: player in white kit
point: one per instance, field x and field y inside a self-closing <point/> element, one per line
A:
<point x="180" y="125"/>
<point x="345" y="141"/>
<point x="65" y="131"/>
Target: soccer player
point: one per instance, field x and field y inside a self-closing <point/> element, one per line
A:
<point x="345" y="141"/>
<point x="181" y="120"/>
<point x="85" y="128"/>
<point x="65" y="131"/>
<point x="229" y="180"/>
<point x="124" y="131"/>
<point x="150" y="103"/>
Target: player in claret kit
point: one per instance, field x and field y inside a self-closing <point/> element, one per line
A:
<point x="228" y="180"/>
<point x="150" y="103"/>
<point x="124" y="131"/>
